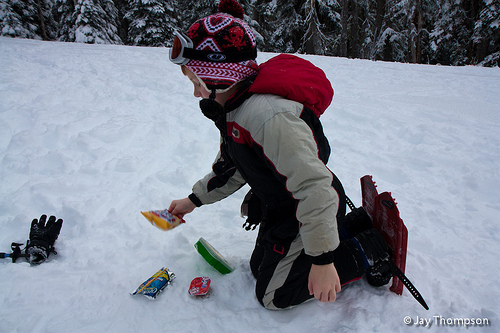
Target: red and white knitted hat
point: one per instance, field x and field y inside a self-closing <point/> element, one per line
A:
<point x="222" y="32"/>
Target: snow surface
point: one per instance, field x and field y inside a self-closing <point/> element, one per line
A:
<point x="96" y="133"/>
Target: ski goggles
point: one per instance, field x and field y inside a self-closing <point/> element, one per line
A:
<point x="182" y="51"/>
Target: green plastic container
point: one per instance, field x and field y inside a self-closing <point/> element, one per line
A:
<point x="214" y="258"/>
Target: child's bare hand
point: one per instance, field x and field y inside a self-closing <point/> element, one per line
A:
<point x="324" y="282"/>
<point x="181" y="207"/>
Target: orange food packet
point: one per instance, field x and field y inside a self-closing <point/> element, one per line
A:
<point x="163" y="219"/>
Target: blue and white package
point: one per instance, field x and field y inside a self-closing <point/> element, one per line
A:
<point x="155" y="284"/>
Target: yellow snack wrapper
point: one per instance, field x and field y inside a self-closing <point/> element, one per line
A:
<point x="163" y="219"/>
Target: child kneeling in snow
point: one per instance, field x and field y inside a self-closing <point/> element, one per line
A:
<point x="272" y="140"/>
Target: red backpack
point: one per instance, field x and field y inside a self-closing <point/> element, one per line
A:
<point x="296" y="79"/>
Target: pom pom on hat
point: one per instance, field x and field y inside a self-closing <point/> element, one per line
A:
<point x="231" y="7"/>
<point x="222" y="32"/>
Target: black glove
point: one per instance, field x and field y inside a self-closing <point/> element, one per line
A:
<point x="252" y="208"/>
<point x="42" y="238"/>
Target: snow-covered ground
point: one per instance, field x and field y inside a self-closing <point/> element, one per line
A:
<point x="94" y="134"/>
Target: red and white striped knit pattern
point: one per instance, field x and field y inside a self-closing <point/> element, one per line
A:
<point x="222" y="75"/>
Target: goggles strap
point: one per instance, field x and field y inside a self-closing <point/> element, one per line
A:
<point x="222" y="57"/>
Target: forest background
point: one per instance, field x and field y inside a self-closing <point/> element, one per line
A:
<point x="447" y="32"/>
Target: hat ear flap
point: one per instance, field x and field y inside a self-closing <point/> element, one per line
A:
<point x="211" y="108"/>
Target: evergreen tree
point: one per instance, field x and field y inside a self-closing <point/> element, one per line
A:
<point x="249" y="9"/>
<point x="368" y="30"/>
<point x="314" y="41"/>
<point x="423" y="21"/>
<point x="96" y="22"/>
<point x="486" y="37"/>
<point x="122" y="23"/>
<point x="393" y="43"/>
<point x="282" y="27"/>
<point x="451" y="35"/>
<point x="11" y="20"/>
<point x="328" y="24"/>
<point x="47" y="26"/>
<point x="344" y="19"/>
<point x="358" y="34"/>
<point x="151" y="22"/>
<point x="261" y="15"/>
<point x="190" y="11"/>
<point x="27" y="19"/>
<point x="354" y="23"/>
<point x="419" y="24"/>
<point x="64" y="15"/>
<point x="379" y="13"/>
